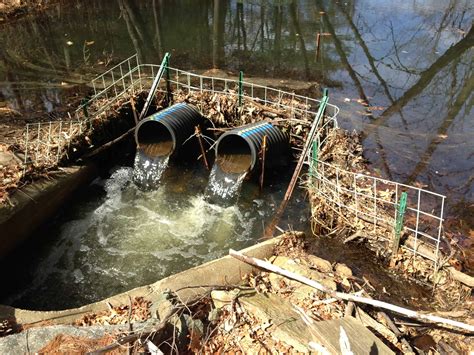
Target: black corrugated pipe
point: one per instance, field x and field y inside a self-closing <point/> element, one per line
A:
<point x="161" y="133"/>
<point x="238" y="150"/>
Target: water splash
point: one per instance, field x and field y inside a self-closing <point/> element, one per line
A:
<point x="147" y="172"/>
<point x="223" y="188"/>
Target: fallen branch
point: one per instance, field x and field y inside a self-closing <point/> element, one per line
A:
<point x="108" y="144"/>
<point x="348" y="297"/>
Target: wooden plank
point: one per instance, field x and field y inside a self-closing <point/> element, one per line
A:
<point x="288" y="327"/>
<point x="361" y="340"/>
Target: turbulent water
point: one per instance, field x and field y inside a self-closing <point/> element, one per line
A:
<point x="147" y="172"/>
<point x="223" y="188"/>
<point x="127" y="237"/>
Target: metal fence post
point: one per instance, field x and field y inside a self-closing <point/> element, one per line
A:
<point x="241" y="78"/>
<point x="399" y="223"/>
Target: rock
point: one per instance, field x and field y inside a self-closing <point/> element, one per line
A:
<point x="303" y="292"/>
<point x="286" y="325"/>
<point x="223" y="298"/>
<point x="6" y="158"/>
<point x="320" y="263"/>
<point x="161" y="307"/>
<point x="300" y="291"/>
<point x="330" y="284"/>
<point x="424" y="342"/>
<point x="343" y="270"/>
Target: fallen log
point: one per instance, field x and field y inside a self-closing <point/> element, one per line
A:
<point x="348" y="297"/>
<point x="108" y="144"/>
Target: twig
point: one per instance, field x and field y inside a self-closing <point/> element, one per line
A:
<point x="132" y="103"/>
<point x="130" y="327"/>
<point x="356" y="235"/>
<point x="395" y="330"/>
<point x="27" y="342"/>
<point x="349" y="309"/>
<point x="348" y="297"/>
<point x="107" y="145"/>
<point x="133" y="337"/>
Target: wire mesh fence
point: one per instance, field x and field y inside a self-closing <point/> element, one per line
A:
<point x="376" y="203"/>
<point x="44" y="142"/>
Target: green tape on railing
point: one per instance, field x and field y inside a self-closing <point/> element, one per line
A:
<point x="314" y="159"/>
<point x="402" y="205"/>
<point x="241" y="79"/>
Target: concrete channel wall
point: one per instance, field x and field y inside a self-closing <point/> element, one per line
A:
<point x="35" y="204"/>
<point x="189" y="285"/>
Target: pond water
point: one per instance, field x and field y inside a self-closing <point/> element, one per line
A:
<point x="401" y="72"/>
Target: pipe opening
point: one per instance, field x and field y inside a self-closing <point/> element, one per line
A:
<point x="154" y="139"/>
<point x="234" y="154"/>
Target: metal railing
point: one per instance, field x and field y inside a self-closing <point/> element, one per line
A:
<point x="295" y="104"/>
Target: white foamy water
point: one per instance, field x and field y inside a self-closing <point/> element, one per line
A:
<point x="135" y="237"/>
<point x="224" y="187"/>
<point x="147" y="172"/>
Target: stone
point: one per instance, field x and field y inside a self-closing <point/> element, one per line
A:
<point x="6" y="158"/>
<point x="343" y="270"/>
<point x="223" y="298"/>
<point x="320" y="263"/>
<point x="329" y="284"/>
<point x="300" y="269"/>
<point x="286" y="324"/>
<point x="303" y="292"/>
<point x="160" y="306"/>
<point x="164" y="308"/>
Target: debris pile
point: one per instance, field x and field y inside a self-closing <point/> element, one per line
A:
<point x="344" y="202"/>
<point x="10" y="173"/>
<point x="138" y="310"/>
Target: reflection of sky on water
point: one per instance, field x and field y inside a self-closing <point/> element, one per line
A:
<point x="392" y="54"/>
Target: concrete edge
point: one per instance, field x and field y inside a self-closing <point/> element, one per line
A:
<point x="222" y="271"/>
<point x="36" y="203"/>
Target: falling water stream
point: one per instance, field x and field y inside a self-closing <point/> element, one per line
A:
<point x="147" y="172"/>
<point x="223" y="188"/>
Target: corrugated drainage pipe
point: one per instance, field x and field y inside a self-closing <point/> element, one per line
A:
<point x="161" y="133"/>
<point x="238" y="150"/>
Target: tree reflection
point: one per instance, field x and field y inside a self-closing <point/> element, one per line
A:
<point x="462" y="101"/>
